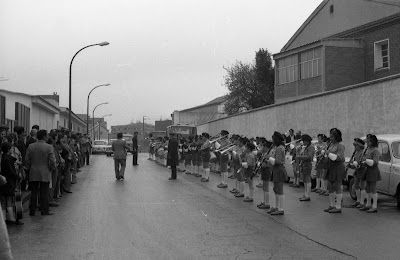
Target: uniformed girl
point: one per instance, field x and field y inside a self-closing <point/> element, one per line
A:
<point x="235" y="162"/>
<point x="239" y="174"/>
<point x="224" y="158"/>
<point x="265" y="170"/>
<point x="372" y="174"/>
<point x="305" y="164"/>
<point x="359" y="171"/>
<point x="319" y="166"/>
<point x="248" y="164"/>
<point x="335" y="170"/>
<point x="205" y="156"/>
<point x="279" y="175"/>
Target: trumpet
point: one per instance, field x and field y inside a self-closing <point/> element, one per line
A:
<point x="224" y="147"/>
<point x="292" y="142"/>
<point x="228" y="149"/>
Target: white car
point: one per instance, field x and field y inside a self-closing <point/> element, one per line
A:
<point x="389" y="166"/>
<point x="99" y="146"/>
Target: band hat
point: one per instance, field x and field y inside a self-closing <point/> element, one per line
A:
<point x="359" y="142"/>
<point x="306" y="137"/>
<point x="278" y="136"/>
<point x="298" y="133"/>
<point x="206" y="135"/>
<point x="224" y="132"/>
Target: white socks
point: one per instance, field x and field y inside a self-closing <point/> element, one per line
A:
<point x="241" y="186"/>
<point x="363" y="195"/>
<point x="375" y="200"/>
<point x="207" y="173"/>
<point x="251" y="194"/>
<point x="276" y="201"/>
<point x="332" y="199"/>
<point x="266" y="198"/>
<point x="339" y="200"/>
<point x="369" y="199"/>
<point x="318" y="186"/>
<point x="358" y="192"/>
<point x="225" y="178"/>
<point x="281" y="197"/>
<point x="307" y="188"/>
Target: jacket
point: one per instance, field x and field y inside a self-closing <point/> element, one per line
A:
<point x="10" y="173"/>
<point x="41" y="161"/>
<point x="172" y="157"/>
<point x="119" y="148"/>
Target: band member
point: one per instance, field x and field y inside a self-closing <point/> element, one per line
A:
<point x="305" y="159"/>
<point x="235" y="162"/>
<point x="248" y="169"/>
<point x="172" y="156"/>
<point x="359" y="171"/>
<point x="279" y="175"/>
<point x="205" y="155"/>
<point x="297" y="150"/>
<point x="319" y="166"/>
<point x="372" y="173"/>
<point x="239" y="175"/>
<point x="265" y="169"/>
<point x="199" y="162"/>
<point x="224" y="158"/>
<point x="336" y="172"/>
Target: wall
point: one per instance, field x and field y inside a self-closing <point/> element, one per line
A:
<point x="347" y="15"/>
<point x="371" y="107"/>
<point x="197" y="115"/>
<point x="343" y="67"/>
<point x="11" y="98"/>
<point x="298" y="88"/>
<point x="45" y="119"/>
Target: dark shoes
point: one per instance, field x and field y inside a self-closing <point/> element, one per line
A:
<point x="170" y="178"/>
<point x="17" y="222"/>
<point x="53" y="204"/>
<point x="47" y="213"/>
<point x="68" y="191"/>
<point x="31" y="213"/>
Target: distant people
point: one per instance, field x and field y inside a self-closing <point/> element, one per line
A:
<point x="32" y="137"/>
<point x="172" y="157"/>
<point x="119" y="148"/>
<point x="135" y="148"/>
<point x="86" y="146"/>
<point x="290" y="137"/>
<point x="41" y="161"/>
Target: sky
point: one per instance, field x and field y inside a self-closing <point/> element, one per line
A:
<point x="164" y="55"/>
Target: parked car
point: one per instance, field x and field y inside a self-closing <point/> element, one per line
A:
<point x="109" y="150"/>
<point x="389" y="166"/>
<point x="99" y="146"/>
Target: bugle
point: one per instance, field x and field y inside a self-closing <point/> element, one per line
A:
<point x="293" y="142"/>
<point x="228" y="149"/>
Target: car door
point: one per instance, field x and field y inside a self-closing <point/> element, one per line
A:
<point x="385" y="164"/>
<point x="395" y="170"/>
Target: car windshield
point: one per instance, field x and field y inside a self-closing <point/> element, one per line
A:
<point x="99" y="143"/>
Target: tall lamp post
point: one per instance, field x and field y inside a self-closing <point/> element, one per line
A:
<point x="87" y="112"/>
<point x="93" y="116"/>
<point x="70" y="76"/>
<point x="143" y="125"/>
<point x="100" y="122"/>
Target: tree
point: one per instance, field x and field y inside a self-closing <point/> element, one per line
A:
<point x="250" y="85"/>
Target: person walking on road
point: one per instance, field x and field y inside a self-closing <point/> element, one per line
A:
<point x="135" y="148"/>
<point x="41" y="161"/>
<point x="119" y="148"/>
<point x="172" y="157"/>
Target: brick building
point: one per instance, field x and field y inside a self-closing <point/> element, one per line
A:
<point x="342" y="43"/>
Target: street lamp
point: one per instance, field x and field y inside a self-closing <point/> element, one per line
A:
<point x="100" y="122"/>
<point x="143" y="125"/>
<point x="70" y="76"/>
<point x="87" y="113"/>
<point x="93" y="116"/>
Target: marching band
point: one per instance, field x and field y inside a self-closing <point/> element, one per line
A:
<point x="248" y="158"/>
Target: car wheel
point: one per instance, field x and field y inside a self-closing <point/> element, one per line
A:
<point x="398" y="197"/>
<point x="352" y="190"/>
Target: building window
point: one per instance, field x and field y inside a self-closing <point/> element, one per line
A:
<point x="2" y="110"/>
<point x="288" y="69"/>
<point x="22" y="115"/>
<point x="311" y="64"/>
<point x="381" y="55"/>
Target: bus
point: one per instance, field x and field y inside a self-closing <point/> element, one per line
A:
<point x="157" y="134"/>
<point x="183" y="130"/>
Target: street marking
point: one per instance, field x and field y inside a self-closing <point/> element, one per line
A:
<point x="203" y="213"/>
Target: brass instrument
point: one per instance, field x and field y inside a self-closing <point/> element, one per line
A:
<point x="293" y="142"/>
<point x="230" y="148"/>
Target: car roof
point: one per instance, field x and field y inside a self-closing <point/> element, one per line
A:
<point x="387" y="137"/>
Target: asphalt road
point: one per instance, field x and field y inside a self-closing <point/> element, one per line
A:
<point x="149" y="217"/>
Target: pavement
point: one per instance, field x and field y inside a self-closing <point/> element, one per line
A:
<point x="149" y="217"/>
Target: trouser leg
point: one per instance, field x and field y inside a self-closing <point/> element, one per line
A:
<point x="34" y="195"/>
<point x="67" y="179"/>
<point x="122" y="169"/>
<point x="44" y="199"/>
<point x="116" y="168"/>
<point x="173" y="172"/>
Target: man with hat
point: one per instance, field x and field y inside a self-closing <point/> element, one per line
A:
<point x="359" y="172"/>
<point x="224" y="158"/>
<point x="172" y="156"/>
<point x="305" y="165"/>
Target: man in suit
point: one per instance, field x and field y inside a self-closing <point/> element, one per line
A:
<point x="41" y="161"/>
<point x="119" y="148"/>
<point x="172" y="157"/>
<point x="135" y="148"/>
